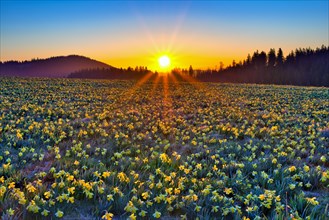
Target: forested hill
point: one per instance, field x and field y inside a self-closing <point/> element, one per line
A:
<point x="60" y="66"/>
<point x="304" y="67"/>
<point x="307" y="67"/>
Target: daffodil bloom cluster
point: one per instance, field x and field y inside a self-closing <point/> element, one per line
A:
<point x="162" y="148"/>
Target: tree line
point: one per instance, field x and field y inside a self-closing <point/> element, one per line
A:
<point x="111" y="73"/>
<point x="304" y="66"/>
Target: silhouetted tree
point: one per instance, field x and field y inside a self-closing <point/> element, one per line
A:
<point x="190" y="70"/>
<point x="271" y="58"/>
<point x="279" y="58"/>
<point x="221" y="66"/>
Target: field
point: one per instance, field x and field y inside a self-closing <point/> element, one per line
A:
<point x="84" y="149"/>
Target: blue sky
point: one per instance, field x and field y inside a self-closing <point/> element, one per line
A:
<point x="129" y="33"/>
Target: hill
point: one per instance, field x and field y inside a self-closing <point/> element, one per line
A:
<point x="54" y="67"/>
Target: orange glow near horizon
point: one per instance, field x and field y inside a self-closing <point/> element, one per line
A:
<point x="136" y="33"/>
<point x="151" y="61"/>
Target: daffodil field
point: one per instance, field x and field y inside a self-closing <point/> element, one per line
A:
<point x="162" y="149"/>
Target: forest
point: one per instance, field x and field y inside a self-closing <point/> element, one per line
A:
<point x="302" y="67"/>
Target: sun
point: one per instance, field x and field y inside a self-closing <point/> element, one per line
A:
<point x="164" y="61"/>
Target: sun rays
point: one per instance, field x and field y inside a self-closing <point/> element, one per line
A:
<point x="164" y="57"/>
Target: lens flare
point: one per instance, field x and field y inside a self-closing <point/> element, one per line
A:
<point x="164" y="61"/>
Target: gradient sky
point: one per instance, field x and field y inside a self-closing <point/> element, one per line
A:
<point x="133" y="33"/>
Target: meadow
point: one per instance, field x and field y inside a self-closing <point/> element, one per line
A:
<point x="162" y="149"/>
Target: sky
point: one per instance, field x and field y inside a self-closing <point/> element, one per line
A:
<point x="137" y="33"/>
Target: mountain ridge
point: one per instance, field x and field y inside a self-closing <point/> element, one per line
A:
<point x="53" y="67"/>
